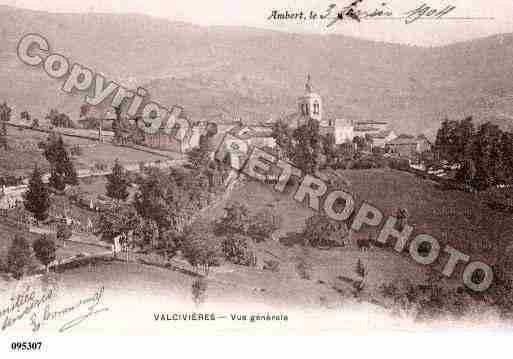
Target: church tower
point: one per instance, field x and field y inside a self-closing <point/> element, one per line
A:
<point x="310" y="104"/>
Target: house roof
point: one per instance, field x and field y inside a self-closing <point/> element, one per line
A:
<point x="370" y="123"/>
<point x="382" y="134"/>
<point x="365" y="128"/>
<point x="404" y="141"/>
<point x="245" y="132"/>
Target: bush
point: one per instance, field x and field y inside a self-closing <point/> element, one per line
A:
<point x="360" y="269"/>
<point x="9" y="180"/>
<point x="303" y="268"/>
<point x="44" y="250"/>
<point x="201" y="250"/>
<point x="63" y="232"/>
<point x="399" y="164"/>
<point x="235" y="250"/>
<point x="199" y="289"/>
<point x="272" y="265"/>
<point x="263" y="224"/>
<point x="76" y="150"/>
<point x="321" y="231"/>
<point x="18" y="257"/>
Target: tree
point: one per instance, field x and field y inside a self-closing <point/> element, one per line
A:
<point x="199" y="157"/>
<point x="117" y="183"/>
<point x="359" y="142"/>
<point x="25" y="116"/>
<point x="263" y="224"/>
<point x="59" y="119"/>
<point x="35" y="123"/>
<point x="56" y="180"/>
<point x="18" y="256"/>
<point x="63" y="232"/>
<point x="322" y="231"/>
<point x="120" y="220"/>
<point x="330" y="149"/>
<point x="507" y="156"/>
<point x="235" y="221"/>
<point x="201" y="250"/>
<point x="359" y="285"/>
<point x="307" y="147"/>
<point x="236" y="250"/>
<point x="5" y="116"/>
<point x="199" y="290"/>
<point x="62" y="169"/>
<point x="70" y="174"/>
<point x="282" y="135"/>
<point x="44" y="250"/>
<point x="117" y="126"/>
<point x="360" y="269"/>
<point x="454" y="140"/>
<point x="37" y="198"/>
<point x="156" y="199"/>
<point x="487" y="155"/>
<point x="467" y="172"/>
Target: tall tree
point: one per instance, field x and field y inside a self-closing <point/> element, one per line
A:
<point x="62" y="169"/>
<point x="307" y="147"/>
<point x="467" y="172"/>
<point x="199" y="157"/>
<point x="25" y="116"/>
<point x="120" y="220"/>
<point x="156" y="200"/>
<point x="117" y="126"/>
<point x="282" y="135"/>
<point x="117" y="183"/>
<point x="201" y="249"/>
<point x="329" y="149"/>
<point x="507" y="156"/>
<point x="37" y="198"/>
<point x="56" y="179"/>
<point x="487" y="155"/>
<point x="5" y="116"/>
<point x="44" y="250"/>
<point x="18" y="256"/>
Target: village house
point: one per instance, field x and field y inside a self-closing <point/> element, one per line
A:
<point x="408" y="146"/>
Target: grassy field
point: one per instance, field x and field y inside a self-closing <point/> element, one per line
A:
<point x="454" y="218"/>
<point x="107" y="153"/>
<point x="24" y="153"/>
<point x="8" y="232"/>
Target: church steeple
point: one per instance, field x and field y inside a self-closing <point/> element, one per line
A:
<point x="308" y="84"/>
<point x="310" y="104"/>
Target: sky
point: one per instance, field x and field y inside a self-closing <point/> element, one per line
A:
<point x="490" y="16"/>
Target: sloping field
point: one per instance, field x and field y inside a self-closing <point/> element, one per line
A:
<point x="453" y="217"/>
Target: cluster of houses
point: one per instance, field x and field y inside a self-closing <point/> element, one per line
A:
<point x="309" y="106"/>
<point x="376" y="134"/>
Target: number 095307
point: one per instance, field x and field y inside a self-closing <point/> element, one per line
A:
<point x="26" y="345"/>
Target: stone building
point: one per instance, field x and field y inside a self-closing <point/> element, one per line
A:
<point x="408" y="146"/>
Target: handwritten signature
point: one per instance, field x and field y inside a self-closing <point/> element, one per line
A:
<point x="38" y="307"/>
<point x="353" y="12"/>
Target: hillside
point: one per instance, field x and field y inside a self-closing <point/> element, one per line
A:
<point x="222" y="72"/>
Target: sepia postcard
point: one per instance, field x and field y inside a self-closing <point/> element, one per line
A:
<point x="285" y="168"/>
